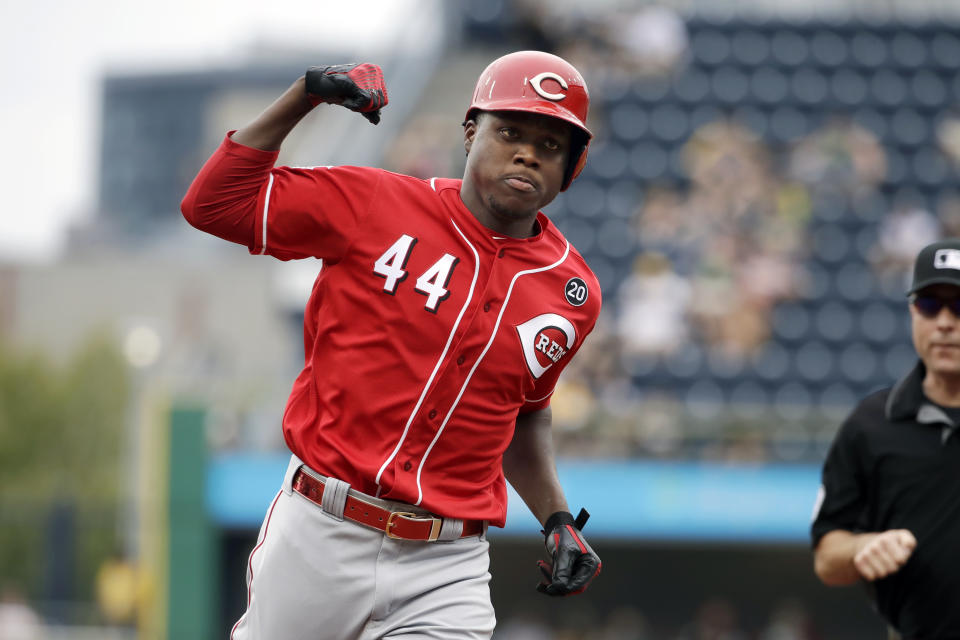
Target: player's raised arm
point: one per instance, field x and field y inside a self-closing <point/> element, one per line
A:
<point x="529" y="465"/>
<point x="222" y="198"/>
<point x="358" y="87"/>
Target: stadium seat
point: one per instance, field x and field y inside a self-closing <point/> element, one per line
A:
<point x="729" y="84"/>
<point x="858" y="362"/>
<point x="789" y="48"/>
<point x="945" y="51"/>
<point x="710" y="47"/>
<point x="848" y="87"/>
<point x="854" y="282"/>
<point x="908" y="51"/>
<point x="829" y="49"/>
<point x="834" y="322"/>
<point x="814" y="361"/>
<point x="888" y="88"/>
<point x="629" y="122"/>
<point x="749" y="48"/>
<point x="648" y="161"/>
<point x="791" y="322"/>
<point x="768" y="86"/>
<point x="868" y="50"/>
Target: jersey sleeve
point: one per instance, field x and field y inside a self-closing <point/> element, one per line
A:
<point x="313" y="212"/>
<point x="285" y="212"/>
<point x="222" y="198"/>
<point x="842" y="499"/>
<point x="543" y="390"/>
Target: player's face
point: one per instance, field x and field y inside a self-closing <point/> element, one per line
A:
<point x="936" y="331"/>
<point x="515" y="166"/>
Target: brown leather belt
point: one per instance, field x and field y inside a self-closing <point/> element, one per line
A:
<point x="404" y="525"/>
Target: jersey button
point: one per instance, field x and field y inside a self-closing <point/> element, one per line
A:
<point x="432" y="414"/>
<point x="486" y="307"/>
<point x="407" y="465"/>
<point x="461" y="360"/>
<point x="501" y="253"/>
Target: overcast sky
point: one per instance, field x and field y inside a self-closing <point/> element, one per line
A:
<point x="53" y="54"/>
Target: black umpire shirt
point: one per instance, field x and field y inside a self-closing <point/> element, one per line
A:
<point x="895" y="464"/>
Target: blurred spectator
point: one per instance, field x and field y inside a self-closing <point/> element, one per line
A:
<point x="663" y="220"/>
<point x="649" y="40"/>
<point x="730" y="169"/>
<point x="948" y="138"/>
<point x="716" y="619"/>
<point x="533" y="27"/>
<point x="903" y="232"/>
<point x="625" y="623"/>
<point x="948" y="212"/>
<point x="119" y="590"/>
<point x="18" y="620"/>
<point x="726" y="319"/>
<point x="789" y="621"/>
<point x="840" y="157"/>
<point x="653" y="307"/>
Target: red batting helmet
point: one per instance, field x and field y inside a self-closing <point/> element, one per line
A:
<point x="538" y="82"/>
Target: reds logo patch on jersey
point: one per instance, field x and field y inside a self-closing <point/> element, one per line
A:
<point x="545" y="340"/>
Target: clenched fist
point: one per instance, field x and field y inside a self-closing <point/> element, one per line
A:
<point x="358" y="87"/>
<point x="884" y="553"/>
<point x="573" y="564"/>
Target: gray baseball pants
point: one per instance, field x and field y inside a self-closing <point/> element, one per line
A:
<point x="313" y="576"/>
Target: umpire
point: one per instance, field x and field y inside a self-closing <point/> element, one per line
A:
<point x="889" y="507"/>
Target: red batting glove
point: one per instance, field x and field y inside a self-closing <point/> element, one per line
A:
<point x="358" y="87"/>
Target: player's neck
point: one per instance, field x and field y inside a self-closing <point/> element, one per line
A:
<point x="501" y="223"/>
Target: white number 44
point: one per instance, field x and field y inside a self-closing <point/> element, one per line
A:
<point x="391" y="266"/>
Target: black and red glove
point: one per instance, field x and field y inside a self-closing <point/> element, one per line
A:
<point x="358" y="87"/>
<point x="573" y="563"/>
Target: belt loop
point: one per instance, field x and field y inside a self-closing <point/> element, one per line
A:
<point x="450" y="529"/>
<point x="295" y="463"/>
<point x="334" y="497"/>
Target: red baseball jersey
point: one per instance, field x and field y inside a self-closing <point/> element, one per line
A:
<point x="425" y="334"/>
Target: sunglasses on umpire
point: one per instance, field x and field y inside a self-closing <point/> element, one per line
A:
<point x="930" y="306"/>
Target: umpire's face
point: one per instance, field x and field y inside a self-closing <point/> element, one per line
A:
<point x="515" y="164"/>
<point x="936" y="328"/>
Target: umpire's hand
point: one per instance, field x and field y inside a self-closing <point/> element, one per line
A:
<point x="573" y="563"/>
<point x="882" y="554"/>
<point x="358" y="87"/>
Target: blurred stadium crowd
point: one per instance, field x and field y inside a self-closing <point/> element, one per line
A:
<point x="756" y="191"/>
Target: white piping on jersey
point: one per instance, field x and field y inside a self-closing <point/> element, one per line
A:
<point x="443" y="356"/>
<point x="266" y="209"/>
<point x="433" y="183"/>
<point x="541" y="399"/>
<point x="476" y="364"/>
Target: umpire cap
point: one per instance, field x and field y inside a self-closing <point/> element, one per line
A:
<point x="937" y="263"/>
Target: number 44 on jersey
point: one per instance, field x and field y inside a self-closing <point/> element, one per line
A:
<point x="391" y="266"/>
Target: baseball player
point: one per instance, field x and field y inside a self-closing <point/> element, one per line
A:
<point x="889" y="509"/>
<point x="434" y="335"/>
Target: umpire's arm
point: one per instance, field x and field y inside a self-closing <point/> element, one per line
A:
<point x="529" y="464"/>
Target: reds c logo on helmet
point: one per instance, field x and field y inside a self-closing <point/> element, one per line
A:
<point x="538" y="82"/>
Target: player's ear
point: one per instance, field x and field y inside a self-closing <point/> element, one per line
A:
<point x="469" y="133"/>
